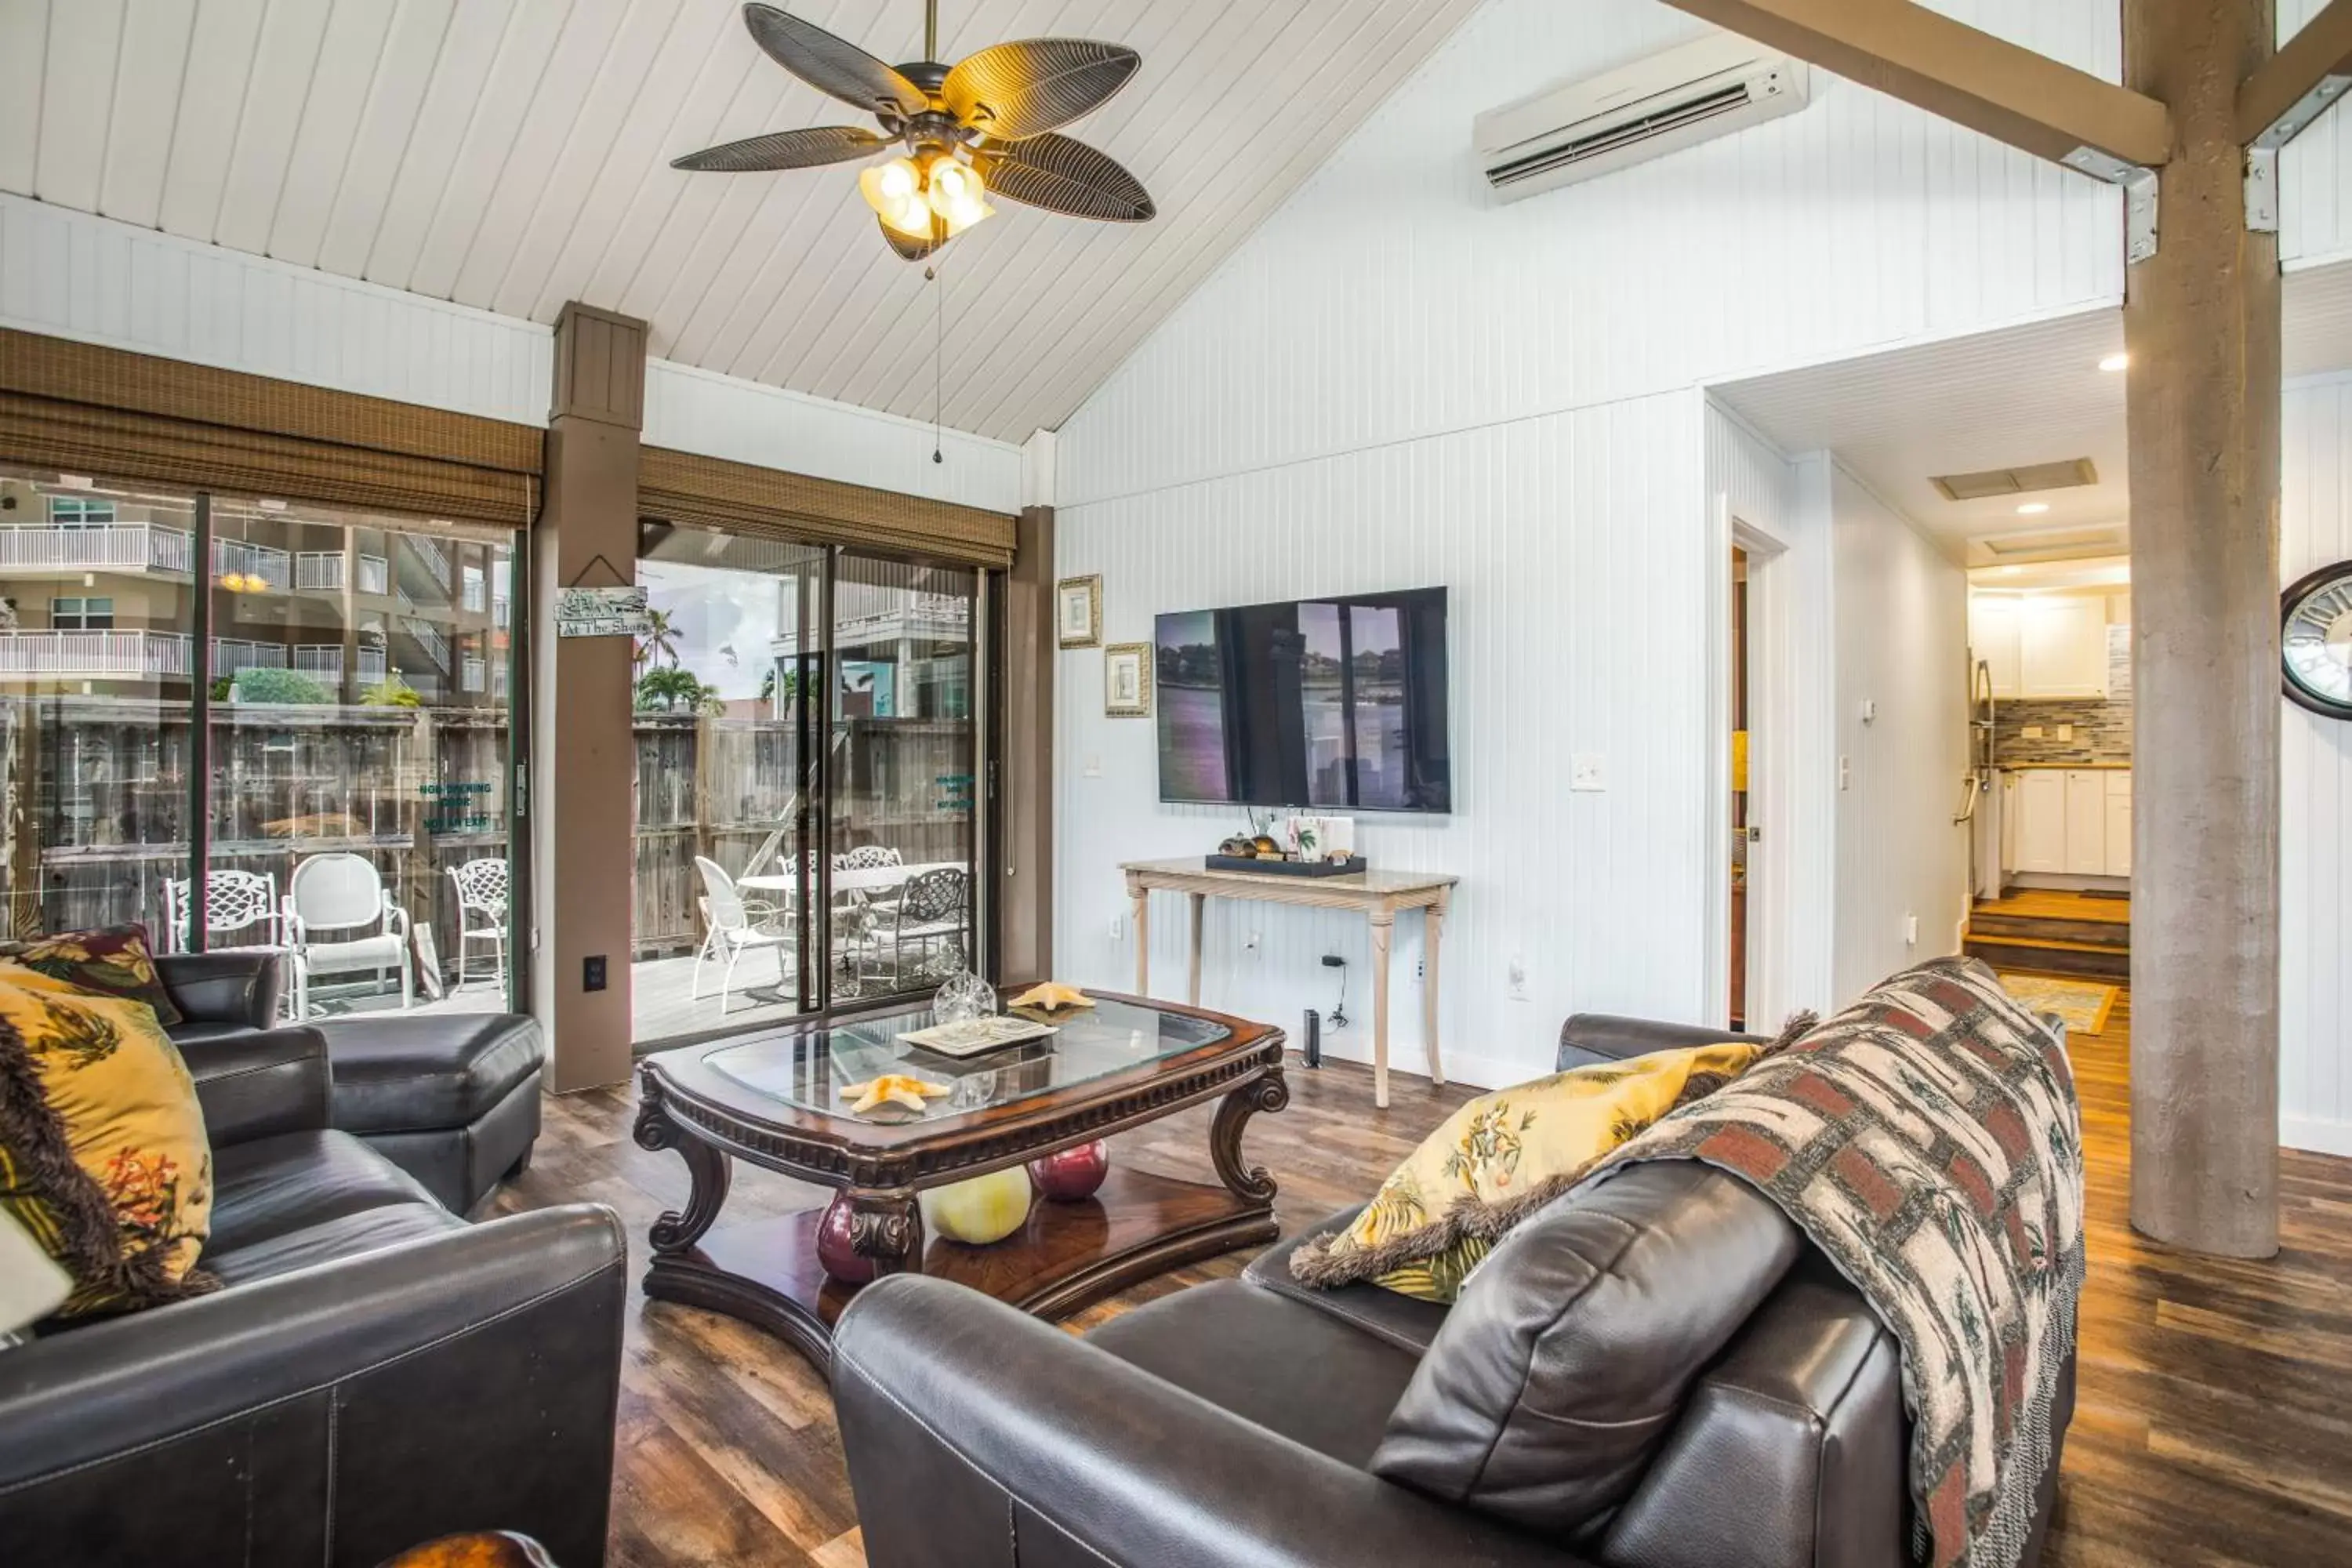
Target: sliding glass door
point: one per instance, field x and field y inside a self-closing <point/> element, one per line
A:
<point x="260" y="723"/>
<point x="805" y="837"/>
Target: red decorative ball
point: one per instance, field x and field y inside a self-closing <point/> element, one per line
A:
<point x="833" y="1246"/>
<point x="1068" y="1175"/>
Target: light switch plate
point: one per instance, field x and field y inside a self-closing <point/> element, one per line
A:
<point x="2033" y="732"/>
<point x="2065" y="732"/>
<point x="1589" y="771"/>
<point x="1094" y="767"/>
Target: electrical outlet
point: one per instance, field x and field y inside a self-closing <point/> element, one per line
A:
<point x="1419" y="970"/>
<point x="1910" y="930"/>
<point x="591" y="972"/>
<point x="1845" y="772"/>
<point x="1249" y="943"/>
<point x="1118" y="928"/>
<point x="1588" y="770"/>
<point x="1517" y="976"/>
<point x="2033" y="732"/>
<point x="1094" y="767"/>
<point x="2065" y="732"/>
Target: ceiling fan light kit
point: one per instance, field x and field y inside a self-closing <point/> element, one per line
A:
<point x="953" y="134"/>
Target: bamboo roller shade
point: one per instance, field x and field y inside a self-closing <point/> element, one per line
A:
<point x="84" y="408"/>
<point x="682" y="487"/>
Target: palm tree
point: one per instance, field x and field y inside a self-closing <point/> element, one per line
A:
<point x="658" y="644"/>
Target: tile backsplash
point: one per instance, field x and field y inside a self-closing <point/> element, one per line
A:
<point x="2102" y="730"/>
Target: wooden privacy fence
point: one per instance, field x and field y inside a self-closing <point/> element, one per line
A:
<point x="719" y="786"/>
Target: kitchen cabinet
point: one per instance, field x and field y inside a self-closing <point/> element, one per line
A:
<point x="2086" y="822"/>
<point x="2073" y="822"/>
<point x="2041" y="645"/>
<point x="2042" y="820"/>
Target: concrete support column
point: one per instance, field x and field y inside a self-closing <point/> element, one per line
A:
<point x="583" y="751"/>
<point x="2202" y="323"/>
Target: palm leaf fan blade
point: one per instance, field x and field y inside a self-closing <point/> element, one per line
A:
<point x="833" y="65"/>
<point x="1065" y="176"/>
<point x="785" y="150"/>
<point x="1011" y="93"/>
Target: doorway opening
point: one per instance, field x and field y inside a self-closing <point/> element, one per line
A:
<point x="1743" y="827"/>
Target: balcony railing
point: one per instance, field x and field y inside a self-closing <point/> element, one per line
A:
<point x="325" y="660"/>
<point x="319" y="570"/>
<point x="274" y="566"/>
<point x="124" y="656"/>
<point x="120" y="547"/>
<point x="473" y="674"/>
<point x="428" y="638"/>
<point x="436" y="559"/>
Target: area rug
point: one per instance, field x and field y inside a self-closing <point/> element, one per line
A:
<point x="2084" y="1004"/>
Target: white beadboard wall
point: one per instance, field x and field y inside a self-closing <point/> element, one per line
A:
<point x="1570" y="545"/>
<point x="96" y="280"/>
<point x="2314" y="172"/>
<point x="71" y="275"/>
<point x="1392" y="297"/>
<point x="2316" y="795"/>
<point x="717" y="415"/>
<point x="1902" y="645"/>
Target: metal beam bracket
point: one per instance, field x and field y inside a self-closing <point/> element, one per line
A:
<point x="2306" y="109"/>
<point x="2138" y="185"/>
<point x="2262" y="189"/>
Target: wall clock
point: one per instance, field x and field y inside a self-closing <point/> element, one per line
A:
<point x="2315" y="640"/>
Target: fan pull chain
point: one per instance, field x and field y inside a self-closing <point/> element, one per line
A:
<point x="939" y="343"/>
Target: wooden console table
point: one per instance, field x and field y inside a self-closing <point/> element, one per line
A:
<point x="1380" y="894"/>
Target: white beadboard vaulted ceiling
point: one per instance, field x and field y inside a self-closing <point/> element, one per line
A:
<point x="512" y="154"/>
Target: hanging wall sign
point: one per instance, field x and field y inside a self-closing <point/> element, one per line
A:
<point x="601" y="613"/>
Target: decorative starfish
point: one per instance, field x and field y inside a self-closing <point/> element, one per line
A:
<point x="1052" y="996"/>
<point x="891" y="1089"/>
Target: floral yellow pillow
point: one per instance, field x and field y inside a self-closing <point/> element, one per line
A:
<point x="103" y="1156"/>
<point x="1499" y="1158"/>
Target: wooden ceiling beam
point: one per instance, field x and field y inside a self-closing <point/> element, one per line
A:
<point x="1990" y="85"/>
<point x="2311" y="71"/>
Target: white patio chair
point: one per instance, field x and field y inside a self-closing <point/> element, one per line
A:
<point x="732" y="927"/>
<point x="481" y="886"/>
<point x="339" y="893"/>
<point x="235" y="901"/>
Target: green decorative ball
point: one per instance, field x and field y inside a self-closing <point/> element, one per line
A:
<point x="982" y="1210"/>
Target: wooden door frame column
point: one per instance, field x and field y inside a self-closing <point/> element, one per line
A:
<point x="584" y="748"/>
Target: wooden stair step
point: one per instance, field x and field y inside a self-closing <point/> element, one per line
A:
<point x="2057" y="956"/>
<point x="2041" y="928"/>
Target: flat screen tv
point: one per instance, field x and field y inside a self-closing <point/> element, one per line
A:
<point x="1336" y="703"/>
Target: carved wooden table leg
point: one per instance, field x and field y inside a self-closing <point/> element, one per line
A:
<point x="1383" y="928"/>
<point x="706" y="1164"/>
<point x="1269" y="1093"/>
<point x="888" y="1228"/>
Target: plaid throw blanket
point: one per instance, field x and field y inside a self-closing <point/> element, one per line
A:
<point x="1929" y="1140"/>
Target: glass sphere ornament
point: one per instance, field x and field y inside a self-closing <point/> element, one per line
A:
<point x="964" y="997"/>
<point x="1068" y="1175"/>
<point x="835" y="1249"/>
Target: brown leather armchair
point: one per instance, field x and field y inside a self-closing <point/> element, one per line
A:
<point x="1662" y="1374"/>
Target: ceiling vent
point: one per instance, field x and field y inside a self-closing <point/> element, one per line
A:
<point x="1709" y="88"/>
<point x="2049" y="545"/>
<point x="1990" y="483"/>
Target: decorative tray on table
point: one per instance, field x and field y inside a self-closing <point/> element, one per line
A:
<point x="1351" y="866"/>
<point x="974" y="1036"/>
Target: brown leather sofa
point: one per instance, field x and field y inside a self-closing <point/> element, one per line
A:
<point x="372" y="1372"/>
<point x="1658" y="1372"/>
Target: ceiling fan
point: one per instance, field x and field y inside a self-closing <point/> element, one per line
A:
<point x="988" y="124"/>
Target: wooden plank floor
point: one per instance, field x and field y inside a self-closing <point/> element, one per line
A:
<point x="2213" y="1425"/>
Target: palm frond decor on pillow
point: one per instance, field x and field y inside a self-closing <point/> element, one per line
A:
<point x="1500" y="1158"/>
<point x="103" y="1155"/>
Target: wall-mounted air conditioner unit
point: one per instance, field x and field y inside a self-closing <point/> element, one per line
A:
<point x="1574" y="132"/>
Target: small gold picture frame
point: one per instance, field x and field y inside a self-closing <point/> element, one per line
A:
<point x="1077" y="611"/>
<point x="1127" y="680"/>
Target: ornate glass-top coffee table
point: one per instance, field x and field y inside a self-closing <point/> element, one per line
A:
<point x="774" y="1098"/>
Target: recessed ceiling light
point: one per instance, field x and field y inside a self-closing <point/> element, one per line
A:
<point x="2011" y="571"/>
<point x="2115" y="363"/>
<point x="2033" y="509"/>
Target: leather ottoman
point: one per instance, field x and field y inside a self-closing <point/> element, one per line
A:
<point x="450" y="1098"/>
